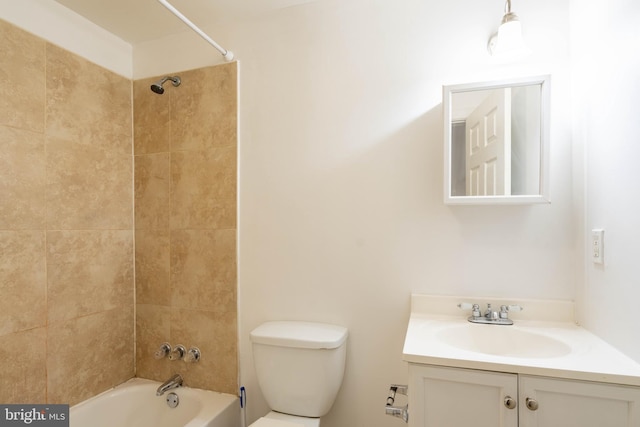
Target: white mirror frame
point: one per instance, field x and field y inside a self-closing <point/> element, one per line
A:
<point x="543" y="197"/>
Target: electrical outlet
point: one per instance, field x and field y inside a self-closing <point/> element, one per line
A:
<point x="597" y="246"/>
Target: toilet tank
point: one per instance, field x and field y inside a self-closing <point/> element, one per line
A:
<point x="299" y="365"/>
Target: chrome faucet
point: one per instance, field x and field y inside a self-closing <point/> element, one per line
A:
<point x="173" y="382"/>
<point x="490" y="316"/>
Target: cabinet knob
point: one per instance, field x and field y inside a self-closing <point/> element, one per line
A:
<point x="509" y="402"/>
<point x="532" y="404"/>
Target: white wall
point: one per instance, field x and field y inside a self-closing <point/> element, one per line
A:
<point x="607" y="125"/>
<point x="57" y="24"/>
<point x="341" y="213"/>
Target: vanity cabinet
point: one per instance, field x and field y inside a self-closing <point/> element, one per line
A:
<point x="451" y="397"/>
<point x="456" y="397"/>
<point x="568" y="403"/>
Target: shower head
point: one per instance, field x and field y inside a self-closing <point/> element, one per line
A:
<point x="157" y="86"/>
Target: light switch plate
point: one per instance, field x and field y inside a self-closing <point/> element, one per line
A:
<point x="597" y="245"/>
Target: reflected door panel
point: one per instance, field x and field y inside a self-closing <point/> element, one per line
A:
<point x="488" y="146"/>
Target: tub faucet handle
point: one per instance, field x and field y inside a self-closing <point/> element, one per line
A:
<point x="162" y="351"/>
<point x="193" y="355"/>
<point x="177" y="353"/>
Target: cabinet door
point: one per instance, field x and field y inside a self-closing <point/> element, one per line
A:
<point x="568" y="403"/>
<point x="451" y="397"/>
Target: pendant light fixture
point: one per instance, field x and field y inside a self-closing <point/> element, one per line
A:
<point x="508" y="42"/>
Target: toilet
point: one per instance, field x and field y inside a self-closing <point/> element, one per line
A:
<point x="299" y="366"/>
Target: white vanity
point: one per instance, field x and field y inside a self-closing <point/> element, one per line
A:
<point x="542" y="371"/>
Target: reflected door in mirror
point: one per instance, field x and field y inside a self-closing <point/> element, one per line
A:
<point x="488" y="146"/>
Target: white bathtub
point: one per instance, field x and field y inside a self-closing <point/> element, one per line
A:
<point x="135" y="404"/>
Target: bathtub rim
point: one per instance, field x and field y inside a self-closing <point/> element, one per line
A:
<point x="216" y="403"/>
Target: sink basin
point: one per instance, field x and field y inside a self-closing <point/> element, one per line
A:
<point x="503" y="341"/>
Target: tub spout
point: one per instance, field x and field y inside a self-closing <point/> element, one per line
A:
<point x="173" y="382"/>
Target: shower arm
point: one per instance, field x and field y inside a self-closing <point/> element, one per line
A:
<point x="227" y="54"/>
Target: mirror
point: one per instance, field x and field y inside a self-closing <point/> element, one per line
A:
<point x="496" y="137"/>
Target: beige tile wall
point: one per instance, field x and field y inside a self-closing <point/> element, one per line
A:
<point x="66" y="224"/>
<point x="185" y="225"/>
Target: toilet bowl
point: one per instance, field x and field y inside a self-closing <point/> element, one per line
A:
<point x="299" y="367"/>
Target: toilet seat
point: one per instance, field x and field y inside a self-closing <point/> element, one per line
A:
<point x="276" y="419"/>
<point x="268" y="422"/>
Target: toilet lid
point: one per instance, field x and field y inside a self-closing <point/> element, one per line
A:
<point x="270" y="422"/>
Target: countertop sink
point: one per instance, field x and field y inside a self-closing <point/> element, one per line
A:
<point x="542" y="341"/>
<point x="503" y="341"/>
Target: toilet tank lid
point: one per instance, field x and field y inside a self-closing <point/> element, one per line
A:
<point x="300" y="334"/>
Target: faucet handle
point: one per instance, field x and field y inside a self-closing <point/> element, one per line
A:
<point x="505" y="309"/>
<point x="162" y="351"/>
<point x="475" y="308"/>
<point x="503" y="312"/>
<point x="193" y="355"/>
<point x="177" y="353"/>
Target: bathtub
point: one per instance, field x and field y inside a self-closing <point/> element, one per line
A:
<point x="135" y="404"/>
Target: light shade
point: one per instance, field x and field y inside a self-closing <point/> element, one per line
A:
<point x="508" y="42"/>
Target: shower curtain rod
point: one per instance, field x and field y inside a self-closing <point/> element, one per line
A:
<point x="227" y="54"/>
